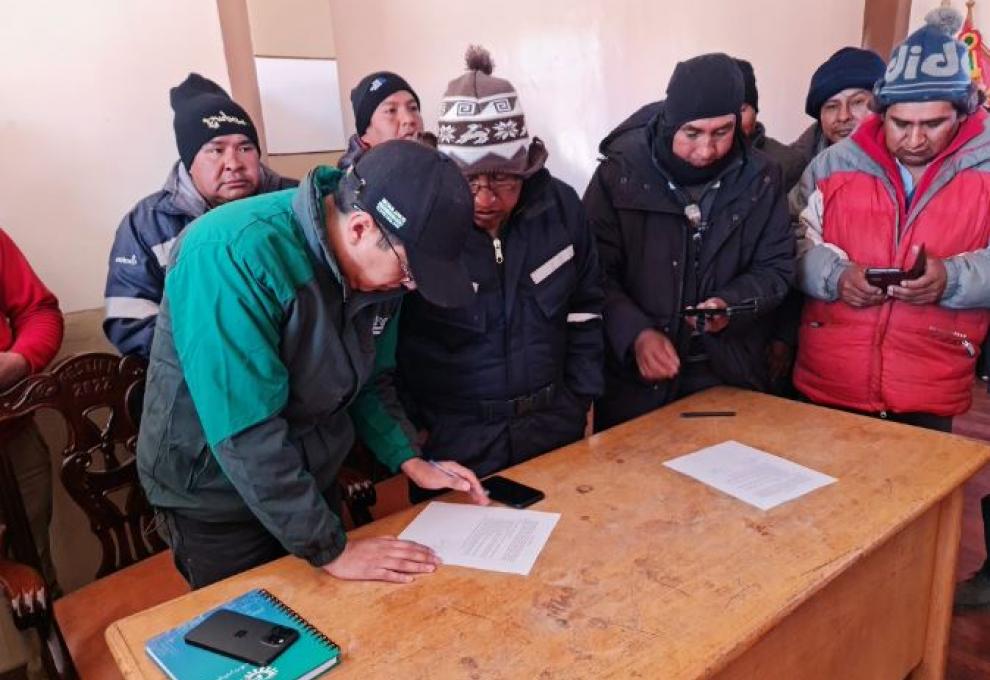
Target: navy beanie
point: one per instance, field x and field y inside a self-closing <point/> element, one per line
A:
<point x="373" y="89"/>
<point x="203" y="110"/>
<point x="703" y="87"/>
<point x="849" y="67"/>
<point x="930" y="65"/>
<point x="751" y="95"/>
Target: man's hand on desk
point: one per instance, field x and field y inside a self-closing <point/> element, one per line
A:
<point x="382" y="559"/>
<point x="445" y="474"/>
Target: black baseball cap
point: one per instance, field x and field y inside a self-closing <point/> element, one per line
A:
<point x="420" y="196"/>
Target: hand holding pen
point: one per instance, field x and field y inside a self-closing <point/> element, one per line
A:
<point x="431" y="474"/>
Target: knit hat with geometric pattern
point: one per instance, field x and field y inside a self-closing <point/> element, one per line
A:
<point x="482" y="126"/>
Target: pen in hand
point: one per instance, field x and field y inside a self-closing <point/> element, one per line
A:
<point x="444" y="470"/>
<point x="447" y="472"/>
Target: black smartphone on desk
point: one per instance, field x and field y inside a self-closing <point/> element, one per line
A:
<point x="242" y="637"/>
<point x="513" y="494"/>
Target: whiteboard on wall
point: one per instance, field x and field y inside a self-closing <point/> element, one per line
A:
<point x="300" y="102"/>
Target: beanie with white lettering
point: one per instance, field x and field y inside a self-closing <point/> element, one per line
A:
<point x="203" y="110"/>
<point x="930" y="65"/>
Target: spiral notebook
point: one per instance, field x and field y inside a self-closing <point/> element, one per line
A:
<point x="310" y="656"/>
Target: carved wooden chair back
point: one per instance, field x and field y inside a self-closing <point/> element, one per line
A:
<point x="99" y="397"/>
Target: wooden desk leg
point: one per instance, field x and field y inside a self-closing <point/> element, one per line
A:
<point x="933" y="662"/>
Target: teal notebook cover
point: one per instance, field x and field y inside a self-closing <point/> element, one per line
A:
<point x="310" y="656"/>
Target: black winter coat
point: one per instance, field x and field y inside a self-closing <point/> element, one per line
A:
<point x="535" y="322"/>
<point x="747" y="254"/>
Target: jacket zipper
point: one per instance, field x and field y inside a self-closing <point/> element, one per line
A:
<point x="497" y="244"/>
<point x="955" y="336"/>
<point x="500" y="270"/>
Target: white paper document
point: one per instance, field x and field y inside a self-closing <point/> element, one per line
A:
<point x="753" y="476"/>
<point x="495" y="539"/>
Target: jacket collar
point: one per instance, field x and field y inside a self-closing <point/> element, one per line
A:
<point x="184" y="196"/>
<point x="355" y="149"/>
<point x="759" y="138"/>
<point x="186" y="199"/>
<point x="970" y="147"/>
<point x="630" y="145"/>
<point x="308" y="206"/>
<point x="534" y="198"/>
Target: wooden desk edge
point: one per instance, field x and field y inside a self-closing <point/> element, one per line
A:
<point x="129" y="667"/>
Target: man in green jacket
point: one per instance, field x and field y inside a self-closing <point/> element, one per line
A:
<point x="265" y="350"/>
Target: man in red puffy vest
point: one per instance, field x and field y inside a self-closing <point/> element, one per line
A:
<point x="915" y="175"/>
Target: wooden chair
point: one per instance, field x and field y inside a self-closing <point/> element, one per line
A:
<point x="99" y="396"/>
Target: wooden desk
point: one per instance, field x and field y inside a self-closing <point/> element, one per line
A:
<point x="650" y="574"/>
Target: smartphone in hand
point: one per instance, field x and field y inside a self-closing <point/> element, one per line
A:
<point x="511" y="493"/>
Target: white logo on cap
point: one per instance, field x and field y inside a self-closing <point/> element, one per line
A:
<point x="938" y="65"/>
<point x="389" y="213"/>
<point x="376" y="83"/>
<point x="213" y="122"/>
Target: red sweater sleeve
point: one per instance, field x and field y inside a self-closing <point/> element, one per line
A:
<point x="29" y="307"/>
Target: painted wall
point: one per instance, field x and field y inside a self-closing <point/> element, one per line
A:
<point x="581" y="66"/>
<point x="292" y="28"/>
<point x="85" y="124"/>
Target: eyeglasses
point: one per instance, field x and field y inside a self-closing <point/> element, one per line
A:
<point x="496" y="182"/>
<point x="407" y="274"/>
<point x="403" y="265"/>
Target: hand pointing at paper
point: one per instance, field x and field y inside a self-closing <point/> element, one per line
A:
<point x="445" y="474"/>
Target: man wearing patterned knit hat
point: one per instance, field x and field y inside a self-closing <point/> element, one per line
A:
<point x="913" y="179"/>
<point x="511" y="375"/>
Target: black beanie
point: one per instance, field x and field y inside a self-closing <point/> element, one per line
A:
<point x="704" y="87"/>
<point x="373" y="89"/>
<point x="750" y="95"/>
<point x="203" y="110"/>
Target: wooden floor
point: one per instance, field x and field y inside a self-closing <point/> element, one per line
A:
<point x="969" y="647"/>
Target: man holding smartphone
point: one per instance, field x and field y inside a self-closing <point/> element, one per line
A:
<point x="913" y="180"/>
<point x="916" y="175"/>
<point x="687" y="216"/>
<point x="265" y="350"/>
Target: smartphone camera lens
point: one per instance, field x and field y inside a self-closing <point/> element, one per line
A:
<point x="276" y="636"/>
